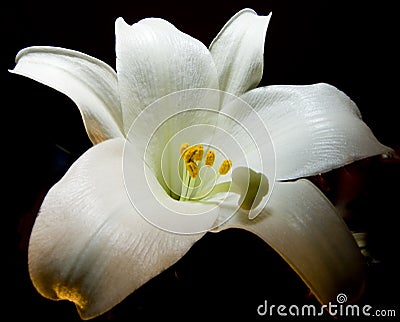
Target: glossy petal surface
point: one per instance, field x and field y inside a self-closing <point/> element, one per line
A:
<point x="89" y="245"/>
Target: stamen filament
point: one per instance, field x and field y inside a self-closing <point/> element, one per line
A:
<point x="185" y="179"/>
<point x="191" y="188"/>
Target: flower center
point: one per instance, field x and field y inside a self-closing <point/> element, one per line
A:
<point x="195" y="186"/>
<point x="198" y="175"/>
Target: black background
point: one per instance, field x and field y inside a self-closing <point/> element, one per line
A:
<point x="349" y="44"/>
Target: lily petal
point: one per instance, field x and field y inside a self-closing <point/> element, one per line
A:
<point x="314" y="128"/>
<point x="304" y="228"/>
<point x="89" y="245"/>
<point x="154" y="52"/>
<point x="89" y="82"/>
<point x="238" y="51"/>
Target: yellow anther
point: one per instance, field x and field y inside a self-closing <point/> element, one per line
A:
<point x="198" y="154"/>
<point x="225" y="167"/>
<point x="193" y="169"/>
<point x="183" y="148"/>
<point x="210" y="158"/>
<point x="193" y="153"/>
<point x="188" y="154"/>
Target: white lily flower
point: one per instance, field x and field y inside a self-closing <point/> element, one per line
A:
<point x="185" y="143"/>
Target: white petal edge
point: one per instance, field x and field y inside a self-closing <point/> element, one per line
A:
<point x="314" y="128"/>
<point x="238" y="51"/>
<point x="155" y="59"/>
<point x="89" y="82"/>
<point x="302" y="226"/>
<point x="88" y="245"/>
